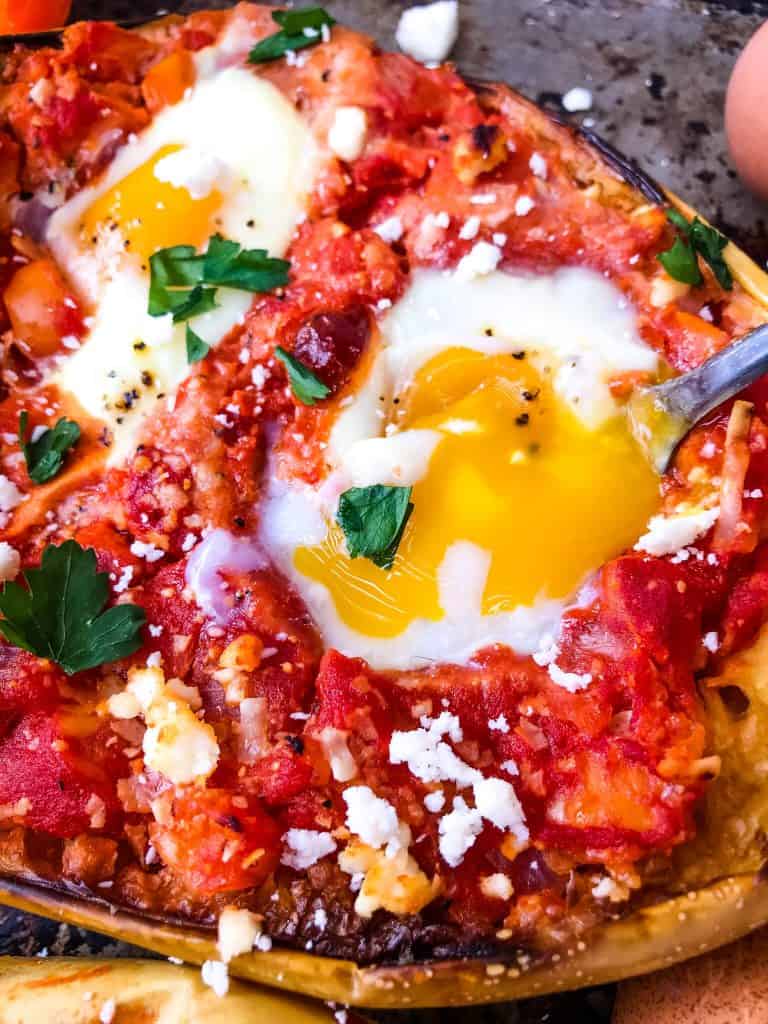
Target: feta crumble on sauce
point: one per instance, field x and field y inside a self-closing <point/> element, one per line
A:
<point x="379" y="610"/>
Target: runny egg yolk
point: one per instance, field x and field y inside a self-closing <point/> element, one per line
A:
<point x="150" y="214"/>
<point x="517" y="474"/>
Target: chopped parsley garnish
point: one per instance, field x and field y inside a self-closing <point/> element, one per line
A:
<point x="60" y="613"/>
<point x="184" y="282"/>
<point x="298" y="29"/>
<point x="695" y="239"/>
<point x="197" y="349"/>
<point x="306" y="386"/>
<point x="373" y="520"/>
<point x="45" y="456"/>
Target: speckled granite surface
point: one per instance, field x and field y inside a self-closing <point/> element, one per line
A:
<point x="657" y="70"/>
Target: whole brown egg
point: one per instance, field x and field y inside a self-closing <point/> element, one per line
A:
<point x="746" y="114"/>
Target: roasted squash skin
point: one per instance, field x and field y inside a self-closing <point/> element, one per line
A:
<point x="706" y="896"/>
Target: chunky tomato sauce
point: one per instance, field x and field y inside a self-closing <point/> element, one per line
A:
<point x="608" y="776"/>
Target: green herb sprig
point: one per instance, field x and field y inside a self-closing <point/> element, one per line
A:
<point x="306" y="385"/>
<point x="60" y="615"/>
<point x="299" y="29"/>
<point x="45" y="456"/>
<point x="373" y="520"/>
<point x="695" y="239"/>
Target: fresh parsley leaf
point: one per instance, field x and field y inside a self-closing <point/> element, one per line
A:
<point x="197" y="349"/>
<point x="695" y="239"/>
<point x="183" y="282"/>
<point x="307" y="387"/>
<point x="292" y="35"/>
<point x="680" y="262"/>
<point x="250" y="270"/>
<point x="60" y="613"/>
<point x="45" y="456"/>
<point x="373" y="520"/>
<point x="710" y="244"/>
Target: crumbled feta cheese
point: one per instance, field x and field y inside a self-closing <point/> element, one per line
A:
<point x="469" y="228"/>
<point x="483" y="198"/>
<point x="608" y="888"/>
<point x="667" y="534"/>
<point x="374" y="820"/>
<point x="176" y="743"/>
<point x="482" y="259"/>
<point x="538" y="165"/>
<point x="238" y="931"/>
<point x="154" y="660"/>
<point x="571" y="681"/>
<point x="756" y="492"/>
<point x="523" y="205"/>
<point x="10" y="560"/>
<point x="107" y="1012"/>
<point x="497" y="802"/>
<point x="428" y="33"/>
<point x="499" y="724"/>
<point x="510" y="767"/>
<point x="306" y="847"/>
<point x="428" y="756"/>
<point x="346" y="137"/>
<point x="547" y="652"/>
<point x="146" y="551"/>
<point x="442" y="219"/>
<point x="390" y="230"/>
<point x="215" y="974"/>
<point x="435" y="802"/>
<point x="192" y="169"/>
<point x="125" y="578"/>
<point x="10" y="495"/>
<point x="458" y="831"/>
<point x="710" y="641"/>
<point x="320" y="919"/>
<point x="496" y="887"/>
<point x="577" y="99"/>
<point x="499" y="238"/>
<point x="155" y="631"/>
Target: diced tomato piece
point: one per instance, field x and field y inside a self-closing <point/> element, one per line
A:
<point x="41" y="307"/>
<point x="25" y="682"/>
<point x="167" y="81"/>
<point x="69" y="783"/>
<point x="32" y="15"/>
<point x="344" y="691"/>
<point x="281" y="776"/>
<point x="104" y="52"/>
<point x="216" y="846"/>
<point x="113" y="553"/>
<point x="178" y="621"/>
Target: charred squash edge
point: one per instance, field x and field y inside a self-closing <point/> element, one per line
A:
<point x="645" y="940"/>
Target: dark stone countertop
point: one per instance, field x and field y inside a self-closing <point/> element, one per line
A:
<point x="657" y="70"/>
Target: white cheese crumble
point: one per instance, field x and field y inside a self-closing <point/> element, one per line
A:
<point x="458" y="831"/>
<point x="107" y="1012"/>
<point x="343" y="765"/>
<point x="192" y="169"/>
<point x="523" y="205"/>
<point x="496" y="887"/>
<point x="428" y="33"/>
<point x="710" y="641"/>
<point x="668" y="534"/>
<point x="470" y="228"/>
<point x="497" y="802"/>
<point x="10" y="560"/>
<point x="346" y="137"/>
<point x="390" y="230"/>
<point x="571" y="681"/>
<point x="305" y="847"/>
<point x="176" y="743"/>
<point x="482" y="259"/>
<point x="375" y="820"/>
<point x="499" y="724"/>
<point x="10" y="495"/>
<point x="146" y="551"/>
<point x="577" y="99"/>
<point x="238" y="931"/>
<point x="320" y="919"/>
<point x="215" y="974"/>
<point x="538" y="165"/>
<point x="124" y="581"/>
<point x="435" y="802"/>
